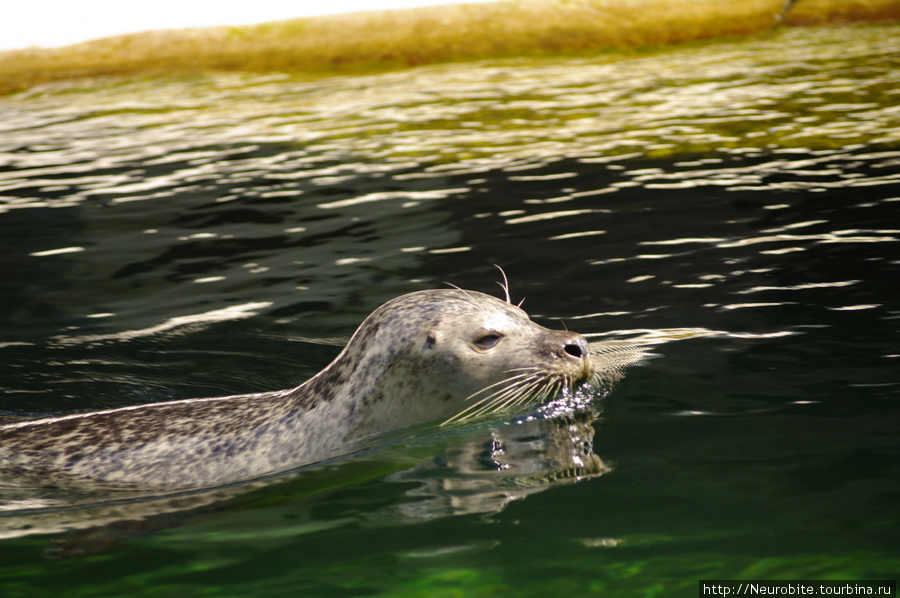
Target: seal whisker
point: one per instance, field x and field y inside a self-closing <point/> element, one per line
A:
<point x="545" y="391"/>
<point x="505" y="284"/>
<point x="523" y="395"/>
<point x="528" y="368"/>
<point x="472" y="298"/>
<point x="488" y="399"/>
<point x="516" y="394"/>
<point x="489" y="407"/>
<point x="506" y="389"/>
<point x="520" y="389"/>
<point x="494" y="385"/>
<point x="487" y="404"/>
<point x="535" y="393"/>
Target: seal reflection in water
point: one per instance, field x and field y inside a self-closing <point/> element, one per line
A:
<point x="426" y="356"/>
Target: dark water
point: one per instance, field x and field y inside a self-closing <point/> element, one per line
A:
<point x="737" y="202"/>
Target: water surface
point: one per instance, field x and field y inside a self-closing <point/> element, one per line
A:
<point x="738" y="202"/>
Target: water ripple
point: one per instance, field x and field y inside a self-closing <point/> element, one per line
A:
<point x="133" y="140"/>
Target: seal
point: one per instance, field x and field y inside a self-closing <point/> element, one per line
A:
<point x="427" y="356"/>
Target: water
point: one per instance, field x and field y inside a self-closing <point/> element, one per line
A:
<point x="736" y="202"/>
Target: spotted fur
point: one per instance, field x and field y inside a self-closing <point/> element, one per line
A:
<point x="412" y="360"/>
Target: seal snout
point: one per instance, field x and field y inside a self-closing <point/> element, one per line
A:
<point x="574" y="349"/>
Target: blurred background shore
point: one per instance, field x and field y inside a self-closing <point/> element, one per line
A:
<point x="391" y="39"/>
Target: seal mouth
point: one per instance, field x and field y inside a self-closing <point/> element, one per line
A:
<point x="525" y="386"/>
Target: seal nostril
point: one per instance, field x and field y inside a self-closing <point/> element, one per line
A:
<point x="574" y="349"/>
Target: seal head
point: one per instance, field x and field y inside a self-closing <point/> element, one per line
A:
<point x="452" y="354"/>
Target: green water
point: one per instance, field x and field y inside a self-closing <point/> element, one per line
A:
<point x="735" y="202"/>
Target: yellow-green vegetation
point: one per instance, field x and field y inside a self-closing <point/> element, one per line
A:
<point x="398" y="38"/>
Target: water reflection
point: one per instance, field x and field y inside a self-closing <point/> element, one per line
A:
<point x="488" y="472"/>
<point x="481" y="473"/>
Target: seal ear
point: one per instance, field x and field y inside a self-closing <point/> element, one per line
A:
<point x="430" y="341"/>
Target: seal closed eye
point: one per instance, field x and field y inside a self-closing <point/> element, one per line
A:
<point x="436" y="355"/>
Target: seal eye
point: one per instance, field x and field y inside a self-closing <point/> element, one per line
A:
<point x="487" y="340"/>
<point x="430" y="341"/>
